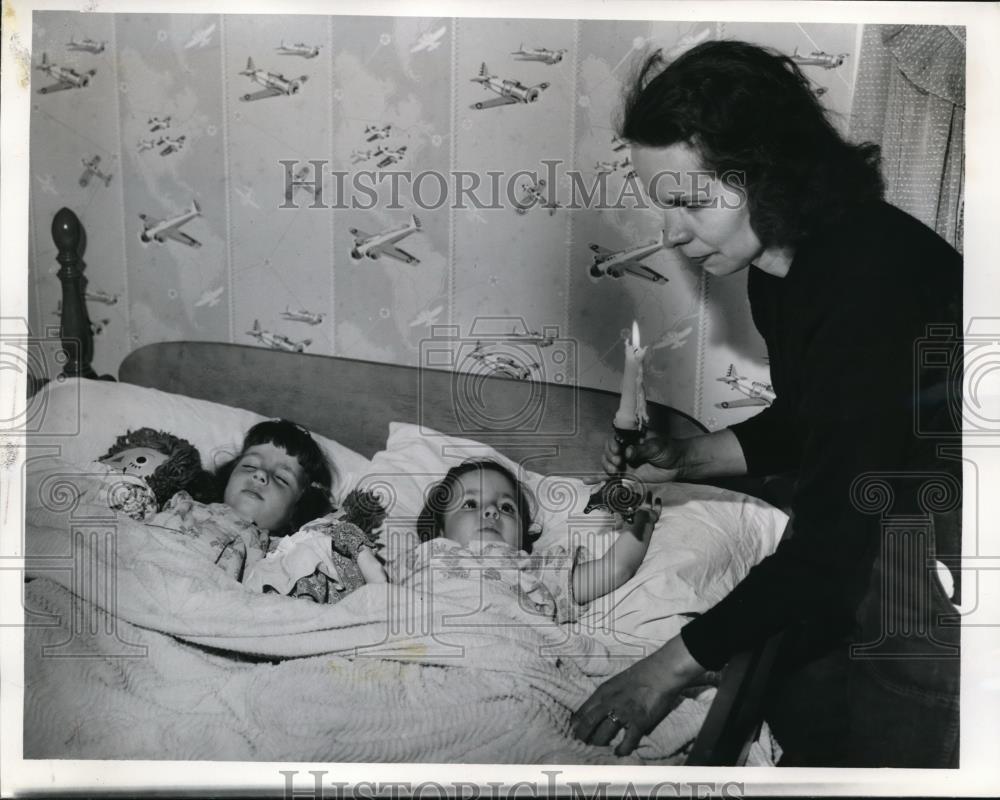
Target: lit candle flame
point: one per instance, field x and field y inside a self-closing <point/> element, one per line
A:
<point x="635" y="334"/>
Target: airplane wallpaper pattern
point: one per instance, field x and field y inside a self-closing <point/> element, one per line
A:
<point x="189" y="145"/>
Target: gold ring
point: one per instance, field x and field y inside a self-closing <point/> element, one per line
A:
<point x="611" y="715"/>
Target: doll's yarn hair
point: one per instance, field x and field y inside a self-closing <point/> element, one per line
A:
<point x="363" y="508"/>
<point x="181" y="471"/>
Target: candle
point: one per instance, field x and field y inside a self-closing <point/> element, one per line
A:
<point x="631" y="412"/>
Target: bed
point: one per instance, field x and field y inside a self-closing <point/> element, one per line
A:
<point x="140" y="651"/>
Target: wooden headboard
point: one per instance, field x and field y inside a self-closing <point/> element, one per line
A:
<point x="550" y="428"/>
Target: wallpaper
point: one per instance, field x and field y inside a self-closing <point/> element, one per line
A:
<point x="403" y="190"/>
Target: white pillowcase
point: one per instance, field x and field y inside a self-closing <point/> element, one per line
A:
<point x="704" y="544"/>
<point x="85" y="417"/>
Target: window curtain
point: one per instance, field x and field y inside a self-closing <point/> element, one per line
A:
<point x="909" y="98"/>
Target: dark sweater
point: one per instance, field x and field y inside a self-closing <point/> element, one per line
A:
<point x="842" y="331"/>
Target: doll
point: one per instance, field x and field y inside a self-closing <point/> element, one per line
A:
<point x="155" y="465"/>
<point x="327" y="558"/>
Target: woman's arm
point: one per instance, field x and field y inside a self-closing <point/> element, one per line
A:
<point x="595" y="578"/>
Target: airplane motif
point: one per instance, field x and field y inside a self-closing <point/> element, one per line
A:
<point x="542" y="54"/>
<point x="757" y="393"/>
<point x="502" y="366"/>
<point x="210" y="298"/>
<point x="149" y="144"/>
<point x="65" y="77"/>
<point x="607" y="167"/>
<point x="510" y="91"/>
<point x="384" y="244"/>
<point x="95" y="327"/>
<point x="246" y="196"/>
<point x="91" y="169"/>
<point x="157" y="230"/>
<point x="101" y="297"/>
<point x="686" y="42"/>
<point x="48" y="183"/>
<point x="172" y="144"/>
<point x="86" y="46"/>
<point x="273" y="83"/>
<point x="674" y="339"/>
<point x="158" y="123"/>
<point x="375" y="245"/>
<point x="529" y="337"/>
<point x="615" y="263"/>
<point x="308" y="317"/>
<point x="277" y="341"/>
<point x="299" y="182"/>
<point x="618" y="144"/>
<point x="428" y="317"/>
<point x="357" y="156"/>
<point x="429" y="41"/>
<point x="373" y="132"/>
<point x="391" y="157"/>
<point x="818" y="58"/>
<point x="298" y="49"/>
<point x="201" y="38"/>
<point x="476" y="215"/>
<point x="531" y="195"/>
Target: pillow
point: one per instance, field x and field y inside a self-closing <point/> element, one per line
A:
<point x="84" y="417"/>
<point x="704" y="544"/>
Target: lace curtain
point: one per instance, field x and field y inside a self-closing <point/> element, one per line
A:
<point x="910" y="98"/>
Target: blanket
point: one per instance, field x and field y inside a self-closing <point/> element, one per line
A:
<point x="137" y="647"/>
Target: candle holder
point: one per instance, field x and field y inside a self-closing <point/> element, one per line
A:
<point x="615" y="494"/>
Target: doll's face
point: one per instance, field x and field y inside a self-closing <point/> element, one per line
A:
<point x="139" y="461"/>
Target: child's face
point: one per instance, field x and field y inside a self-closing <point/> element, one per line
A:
<point x="484" y="509"/>
<point x="265" y="486"/>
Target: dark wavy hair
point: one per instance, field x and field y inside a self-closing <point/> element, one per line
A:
<point x="430" y="523"/>
<point x="298" y="443"/>
<point x="749" y="111"/>
<point x="181" y="470"/>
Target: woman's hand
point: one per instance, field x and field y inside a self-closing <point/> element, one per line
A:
<point x="655" y="460"/>
<point x="637" y="699"/>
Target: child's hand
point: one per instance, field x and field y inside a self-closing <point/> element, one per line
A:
<point x="370" y="567"/>
<point x="646" y="515"/>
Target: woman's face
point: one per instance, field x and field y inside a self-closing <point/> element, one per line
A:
<point x="705" y="218"/>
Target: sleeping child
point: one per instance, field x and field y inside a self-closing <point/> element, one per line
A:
<point x="327" y="558"/>
<point x="279" y="481"/>
<point x="478" y="518"/>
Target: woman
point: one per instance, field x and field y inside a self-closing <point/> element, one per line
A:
<point x="731" y="142"/>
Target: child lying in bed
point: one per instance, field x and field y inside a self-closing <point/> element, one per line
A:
<point x="279" y="481"/>
<point x="478" y="517"/>
<point x="327" y="558"/>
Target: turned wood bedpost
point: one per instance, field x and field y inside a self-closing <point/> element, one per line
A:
<point x="74" y="322"/>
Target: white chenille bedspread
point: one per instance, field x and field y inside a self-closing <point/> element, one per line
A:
<point x="136" y="647"/>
